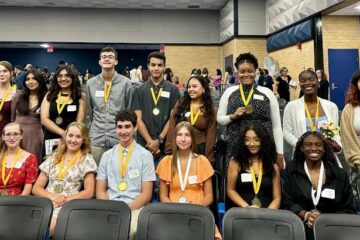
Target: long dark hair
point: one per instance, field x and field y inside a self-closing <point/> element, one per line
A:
<point x="353" y="93"/>
<point x="75" y="85"/>
<point x="328" y="156"/>
<point x="23" y="103"/>
<point x="267" y="151"/>
<point x="184" y="104"/>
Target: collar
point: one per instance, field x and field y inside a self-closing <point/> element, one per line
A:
<point x="160" y="85"/>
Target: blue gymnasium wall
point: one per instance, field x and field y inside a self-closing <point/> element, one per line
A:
<point x="83" y="58"/>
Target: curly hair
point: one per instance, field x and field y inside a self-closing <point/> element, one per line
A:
<point x="328" y="156"/>
<point x="353" y="93"/>
<point x="267" y="152"/>
<point x="184" y="102"/>
<point x="55" y="87"/>
<point x="246" y="58"/>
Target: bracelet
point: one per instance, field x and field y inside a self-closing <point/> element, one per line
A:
<point x="306" y="217"/>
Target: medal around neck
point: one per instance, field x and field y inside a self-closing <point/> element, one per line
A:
<point x="248" y="109"/>
<point x="122" y="186"/>
<point x="182" y="199"/>
<point x="4" y="192"/>
<point x="58" y="188"/>
<point x="256" y="201"/>
<point x="156" y="111"/>
<point x="59" y="120"/>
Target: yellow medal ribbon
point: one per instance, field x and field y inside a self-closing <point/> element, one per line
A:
<point x="193" y="117"/>
<point x="4" y="97"/>
<point x="107" y="89"/>
<point x="246" y="100"/>
<point x="61" y="173"/>
<point x="312" y="124"/>
<point x="60" y="105"/>
<point x="155" y="98"/>
<point x="123" y="165"/>
<point x="256" y="184"/>
<point x="5" y="179"/>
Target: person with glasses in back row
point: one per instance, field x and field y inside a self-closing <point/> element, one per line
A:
<point x="62" y="105"/>
<point x="107" y="93"/>
<point x="18" y="167"/>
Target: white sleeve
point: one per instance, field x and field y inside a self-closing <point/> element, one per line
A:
<point x="335" y="118"/>
<point x="222" y="118"/>
<point x="275" y="119"/>
<point x="289" y="137"/>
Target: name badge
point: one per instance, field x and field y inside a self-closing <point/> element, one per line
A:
<point x="246" y="177"/>
<point x="18" y="164"/>
<point x="187" y="114"/>
<point x="165" y="94"/>
<point x="134" y="173"/>
<point x="259" y="97"/>
<point x="71" y="108"/>
<point x="328" y="193"/>
<point x="99" y="94"/>
<point x="193" y="179"/>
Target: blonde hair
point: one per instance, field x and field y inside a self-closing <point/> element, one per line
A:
<point x="3" y="147"/>
<point x="62" y="148"/>
<point x="193" y="148"/>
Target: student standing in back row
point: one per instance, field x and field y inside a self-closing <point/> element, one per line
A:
<point x="107" y="93"/>
<point x="152" y="103"/>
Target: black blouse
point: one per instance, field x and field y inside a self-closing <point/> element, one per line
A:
<point x="297" y="191"/>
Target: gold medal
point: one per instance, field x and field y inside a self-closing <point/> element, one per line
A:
<point x="248" y="109"/>
<point x="1" y="117"/>
<point x="182" y="199"/>
<point x="122" y="186"/>
<point x="58" y="188"/>
<point x="59" y="120"/>
<point x="4" y="192"/>
<point x="156" y="111"/>
<point x="256" y="201"/>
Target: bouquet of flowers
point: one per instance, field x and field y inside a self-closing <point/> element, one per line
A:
<point x="328" y="129"/>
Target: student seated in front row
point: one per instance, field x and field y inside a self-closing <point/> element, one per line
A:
<point x="126" y="172"/>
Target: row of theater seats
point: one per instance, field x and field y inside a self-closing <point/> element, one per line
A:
<point x="28" y="217"/>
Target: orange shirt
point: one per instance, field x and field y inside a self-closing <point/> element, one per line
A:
<point x="200" y="169"/>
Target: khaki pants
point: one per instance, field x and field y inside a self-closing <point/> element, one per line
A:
<point x="133" y="224"/>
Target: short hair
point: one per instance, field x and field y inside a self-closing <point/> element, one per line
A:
<point x="246" y="58"/>
<point x="266" y="71"/>
<point x="7" y="65"/>
<point x="157" y="55"/>
<point x="108" y="49"/>
<point x="307" y="71"/>
<point x="126" y="115"/>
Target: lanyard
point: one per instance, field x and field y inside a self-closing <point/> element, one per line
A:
<point x="5" y="179"/>
<point x="246" y="100"/>
<point x="61" y="173"/>
<point x="123" y="165"/>
<point x="60" y="105"/>
<point x="4" y="97"/>
<point x="312" y="124"/>
<point x="184" y="181"/>
<point x="193" y="117"/>
<point x="107" y="89"/>
<point x="316" y="198"/>
<point x="155" y="98"/>
<point x="256" y="184"/>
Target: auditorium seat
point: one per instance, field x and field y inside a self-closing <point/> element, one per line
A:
<point x="24" y="217"/>
<point x="337" y="226"/>
<point x="93" y="219"/>
<point x="175" y="221"/>
<point x="262" y="223"/>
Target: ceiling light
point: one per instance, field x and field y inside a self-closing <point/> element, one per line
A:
<point x="44" y="45"/>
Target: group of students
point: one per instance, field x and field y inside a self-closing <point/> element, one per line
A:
<point x="181" y="132"/>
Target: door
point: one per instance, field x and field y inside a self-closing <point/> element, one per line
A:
<point x="342" y="64"/>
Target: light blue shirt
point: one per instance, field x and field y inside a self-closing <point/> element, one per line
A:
<point x="320" y="120"/>
<point x="140" y="169"/>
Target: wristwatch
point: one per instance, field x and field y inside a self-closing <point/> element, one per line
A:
<point x="161" y="140"/>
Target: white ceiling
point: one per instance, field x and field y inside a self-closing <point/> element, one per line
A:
<point x="124" y="4"/>
<point x="349" y="10"/>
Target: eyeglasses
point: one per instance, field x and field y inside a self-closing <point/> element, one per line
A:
<point x="63" y="76"/>
<point x="111" y="57"/>
<point x="14" y="135"/>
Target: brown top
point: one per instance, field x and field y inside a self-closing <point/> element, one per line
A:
<point x="205" y="132"/>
